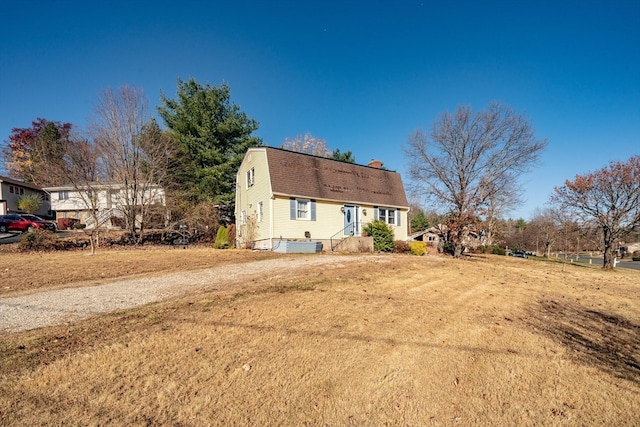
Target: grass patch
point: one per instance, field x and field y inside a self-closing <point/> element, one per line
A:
<point x="404" y="341"/>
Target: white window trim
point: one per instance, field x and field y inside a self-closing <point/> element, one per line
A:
<point x="251" y="178"/>
<point x="307" y="204"/>
<point x="260" y="211"/>
<point x="386" y="215"/>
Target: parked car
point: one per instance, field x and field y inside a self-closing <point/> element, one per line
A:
<point x="519" y="254"/>
<point x="24" y="222"/>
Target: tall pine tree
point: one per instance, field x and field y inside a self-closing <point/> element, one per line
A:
<point x="213" y="136"/>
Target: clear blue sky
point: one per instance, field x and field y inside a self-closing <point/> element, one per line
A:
<point x="362" y="75"/>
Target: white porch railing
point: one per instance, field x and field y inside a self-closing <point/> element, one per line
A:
<point x="103" y="216"/>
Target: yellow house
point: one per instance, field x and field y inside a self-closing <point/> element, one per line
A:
<point x="284" y="196"/>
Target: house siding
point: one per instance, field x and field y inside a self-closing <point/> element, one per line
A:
<point x="329" y="221"/>
<point x="328" y="218"/>
<point x="11" y="199"/>
<point x="107" y="197"/>
<point x="247" y="200"/>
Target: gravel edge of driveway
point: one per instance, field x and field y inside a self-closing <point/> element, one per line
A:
<point x="58" y="306"/>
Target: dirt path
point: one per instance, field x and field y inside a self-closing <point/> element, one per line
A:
<point x="70" y="304"/>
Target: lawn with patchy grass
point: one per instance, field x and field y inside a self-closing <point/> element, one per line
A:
<point x="406" y="341"/>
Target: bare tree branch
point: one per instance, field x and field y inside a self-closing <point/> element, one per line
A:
<point x="609" y="197"/>
<point x="470" y="163"/>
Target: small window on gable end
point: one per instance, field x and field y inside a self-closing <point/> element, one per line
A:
<point x="250" y="178"/>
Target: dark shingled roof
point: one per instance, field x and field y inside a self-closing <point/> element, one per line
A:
<point x="18" y="182"/>
<point x="303" y="175"/>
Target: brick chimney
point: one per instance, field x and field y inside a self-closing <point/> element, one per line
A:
<point x="375" y="164"/>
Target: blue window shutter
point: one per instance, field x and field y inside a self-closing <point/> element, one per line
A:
<point x="313" y="210"/>
<point x="398" y="217"/>
<point x="292" y="208"/>
<point x="376" y="214"/>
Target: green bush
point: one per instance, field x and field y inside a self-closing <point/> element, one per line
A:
<point x="222" y="238"/>
<point x="79" y="226"/>
<point x="231" y="232"/>
<point x="418" y="248"/>
<point x="382" y="235"/>
<point x="448" y="248"/>
<point x="497" y="250"/>
<point x="401" y="247"/>
<point x="635" y="256"/>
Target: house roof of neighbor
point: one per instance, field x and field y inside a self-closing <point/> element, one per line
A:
<point x="21" y="183"/>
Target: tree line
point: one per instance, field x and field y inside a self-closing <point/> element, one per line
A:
<point x="467" y="165"/>
<point x="194" y="159"/>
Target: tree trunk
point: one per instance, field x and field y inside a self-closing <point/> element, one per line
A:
<point x="458" y="244"/>
<point x="458" y="249"/>
<point x="608" y="249"/>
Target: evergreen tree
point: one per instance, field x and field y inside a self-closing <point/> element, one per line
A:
<point x="419" y="221"/>
<point x="212" y="135"/>
<point x="347" y="156"/>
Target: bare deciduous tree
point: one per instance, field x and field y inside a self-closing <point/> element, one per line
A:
<point x="308" y="144"/>
<point x="609" y="197"/>
<point x="470" y="160"/>
<point x="495" y="207"/>
<point x="134" y="152"/>
<point x="80" y="170"/>
<point x="544" y="229"/>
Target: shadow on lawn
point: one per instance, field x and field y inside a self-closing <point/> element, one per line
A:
<point x="603" y="340"/>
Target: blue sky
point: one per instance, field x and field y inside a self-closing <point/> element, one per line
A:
<point x="361" y="75"/>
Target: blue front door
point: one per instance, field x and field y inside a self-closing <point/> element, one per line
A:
<point x="349" y="220"/>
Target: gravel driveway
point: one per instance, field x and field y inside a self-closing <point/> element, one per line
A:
<point x="69" y="304"/>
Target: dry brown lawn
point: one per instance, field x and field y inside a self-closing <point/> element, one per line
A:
<point x="24" y="273"/>
<point x="410" y="341"/>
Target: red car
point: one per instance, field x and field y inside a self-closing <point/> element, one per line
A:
<point x="24" y="222"/>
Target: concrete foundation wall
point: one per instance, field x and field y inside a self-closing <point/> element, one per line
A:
<point x="354" y="244"/>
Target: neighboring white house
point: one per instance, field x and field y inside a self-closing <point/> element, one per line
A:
<point x="284" y="195"/>
<point x="12" y="189"/>
<point x="67" y="201"/>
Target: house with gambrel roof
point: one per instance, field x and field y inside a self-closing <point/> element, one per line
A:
<point x="283" y="195"/>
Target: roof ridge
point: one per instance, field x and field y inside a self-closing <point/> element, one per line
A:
<point x="324" y="158"/>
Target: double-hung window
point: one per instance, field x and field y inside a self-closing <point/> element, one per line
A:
<point x="303" y="209"/>
<point x="389" y="216"/>
<point x="63" y="195"/>
<point x="251" y="177"/>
